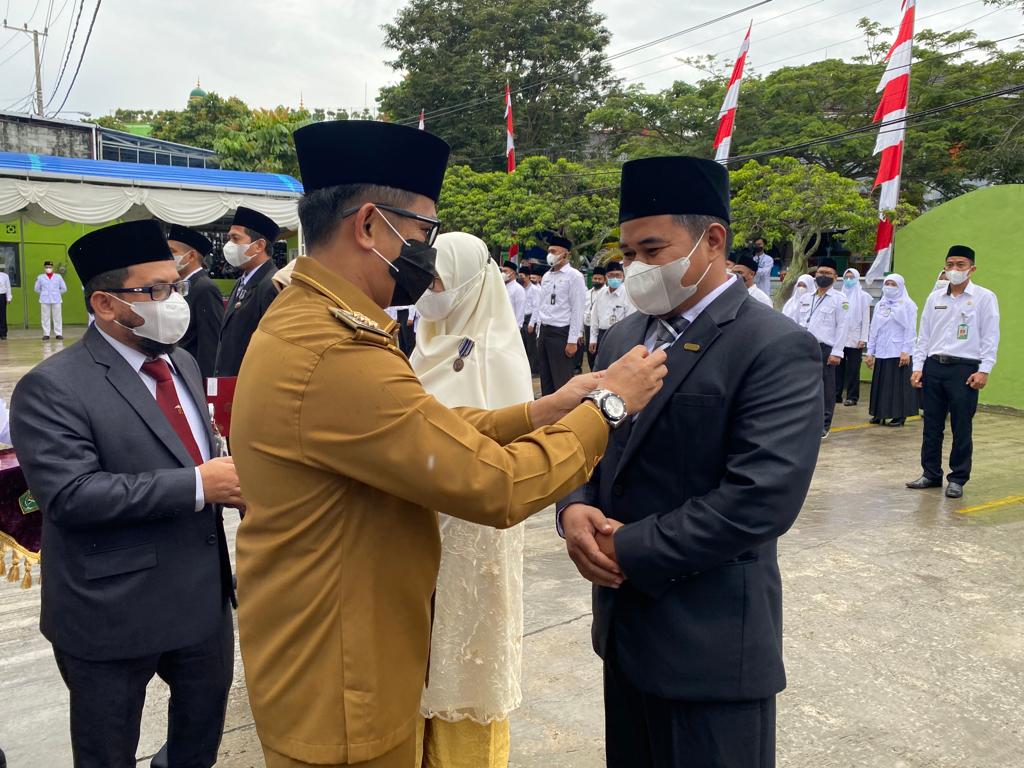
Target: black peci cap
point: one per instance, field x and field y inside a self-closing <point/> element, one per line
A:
<point x="828" y="262"/>
<point x="558" y="240"/>
<point x="600" y="270"/>
<point x="342" y="152"/>
<point x="675" y="186"/>
<point x="961" y="250"/>
<point x="746" y="259"/>
<point x="117" y="247"/>
<point x="613" y="266"/>
<point x="511" y="265"/>
<point x="195" y="240"/>
<point x="257" y="222"/>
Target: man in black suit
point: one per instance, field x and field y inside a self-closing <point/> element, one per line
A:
<point x="114" y="442"/>
<point x="679" y="524"/>
<point x="249" y="248"/>
<point x="189" y="248"/>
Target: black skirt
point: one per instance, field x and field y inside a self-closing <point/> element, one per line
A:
<point x="892" y="395"/>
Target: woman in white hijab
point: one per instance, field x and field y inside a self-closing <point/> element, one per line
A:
<point x="469" y="353"/>
<point x="890" y="345"/>
<point x="859" y="314"/>
<point x="791" y="308"/>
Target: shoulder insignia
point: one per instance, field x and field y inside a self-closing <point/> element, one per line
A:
<point x="365" y="329"/>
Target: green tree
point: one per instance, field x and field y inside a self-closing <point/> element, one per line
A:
<point x="262" y="141"/>
<point x="540" y="196"/>
<point x="200" y="123"/>
<point x="462" y="52"/>
<point x="786" y="200"/>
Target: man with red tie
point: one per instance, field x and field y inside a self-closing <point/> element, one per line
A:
<point x="113" y="438"/>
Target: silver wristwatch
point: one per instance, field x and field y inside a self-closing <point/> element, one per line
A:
<point x="611" y="406"/>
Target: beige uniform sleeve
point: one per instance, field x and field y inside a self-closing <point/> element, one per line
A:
<point x="365" y="415"/>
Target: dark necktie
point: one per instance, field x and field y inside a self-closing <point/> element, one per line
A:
<point x="664" y="335"/>
<point x="167" y="399"/>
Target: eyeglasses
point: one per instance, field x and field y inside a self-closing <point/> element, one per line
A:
<point x="157" y="291"/>
<point x="435" y="224"/>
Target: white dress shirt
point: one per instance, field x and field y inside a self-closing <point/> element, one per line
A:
<point x="517" y="297"/>
<point x="965" y="326"/>
<point x="50" y="288"/>
<point x="135" y="359"/>
<point x="826" y="318"/>
<point x="763" y="278"/>
<point x="591" y="296"/>
<point x="5" y="287"/>
<point x="859" y="325"/>
<point x="563" y="298"/>
<point x="888" y="338"/>
<point x="5" y="424"/>
<point x="689" y="315"/>
<point x="609" y="307"/>
<point x="532" y="301"/>
<point x="760" y="295"/>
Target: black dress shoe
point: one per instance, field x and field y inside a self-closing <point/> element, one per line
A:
<point x="59" y="338"/>
<point x="954" y="491"/>
<point x="896" y="423"/>
<point x="924" y="482"/>
<point x="850" y="402"/>
<point x="875" y="420"/>
<point x="46" y="338"/>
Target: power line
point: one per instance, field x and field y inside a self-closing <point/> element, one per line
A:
<point x="456" y="108"/>
<point x="67" y="57"/>
<point x="17" y="51"/>
<point x="81" y="58"/>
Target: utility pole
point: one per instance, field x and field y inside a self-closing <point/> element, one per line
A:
<point x="36" y="34"/>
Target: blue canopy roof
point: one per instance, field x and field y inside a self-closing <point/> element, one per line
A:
<point x="76" y="169"/>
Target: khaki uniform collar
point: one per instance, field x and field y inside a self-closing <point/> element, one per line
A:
<point x="314" y="276"/>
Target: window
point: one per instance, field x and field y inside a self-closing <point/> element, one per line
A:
<point x="9" y="256"/>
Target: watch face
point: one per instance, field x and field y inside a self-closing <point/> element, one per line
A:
<point x="615" y="407"/>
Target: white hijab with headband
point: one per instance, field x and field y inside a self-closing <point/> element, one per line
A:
<point x="856" y="295"/>
<point x="791" y="308"/>
<point x="899" y="309"/>
<point x="476" y="644"/>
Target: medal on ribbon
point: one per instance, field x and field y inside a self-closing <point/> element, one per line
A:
<point x="465" y="349"/>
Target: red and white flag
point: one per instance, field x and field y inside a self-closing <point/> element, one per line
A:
<point x="510" y="153"/>
<point x="727" y="116"/>
<point x="892" y="112"/>
<point x="423" y="122"/>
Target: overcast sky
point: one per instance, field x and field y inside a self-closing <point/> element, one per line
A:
<point x="148" y="54"/>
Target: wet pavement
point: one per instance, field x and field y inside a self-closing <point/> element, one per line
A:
<point x="904" y="625"/>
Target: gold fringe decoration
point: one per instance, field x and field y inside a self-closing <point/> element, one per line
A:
<point x="3" y="558"/>
<point x="14" y="574"/>
<point x="26" y="583"/>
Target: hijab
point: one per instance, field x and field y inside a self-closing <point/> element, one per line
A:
<point x="790" y="307"/>
<point x="856" y="296"/>
<point x="496" y="373"/>
<point x="900" y="310"/>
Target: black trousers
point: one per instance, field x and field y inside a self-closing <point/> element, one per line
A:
<point x="581" y="351"/>
<point x="406" y="335"/>
<point x="107" y="698"/>
<point x="644" y="731"/>
<point x="828" y="378"/>
<point x="848" y="374"/>
<point x="596" y="339"/>
<point x="555" y="368"/>
<point x="946" y="393"/>
<point x="530" y="342"/>
<point x="3" y="316"/>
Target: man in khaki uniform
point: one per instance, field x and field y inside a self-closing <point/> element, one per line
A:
<point x="343" y="457"/>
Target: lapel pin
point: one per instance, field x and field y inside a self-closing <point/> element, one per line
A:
<point x="691" y="347"/>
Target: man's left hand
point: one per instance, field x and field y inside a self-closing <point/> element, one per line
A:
<point x="606" y="542"/>
<point x="833" y="360"/>
<point x="570" y="350"/>
<point x="977" y="380"/>
<point x="862" y="345"/>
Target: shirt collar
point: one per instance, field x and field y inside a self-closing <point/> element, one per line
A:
<point x="316" y="277"/>
<point x="189" y="275"/>
<point x="694" y="312"/>
<point x="133" y="357"/>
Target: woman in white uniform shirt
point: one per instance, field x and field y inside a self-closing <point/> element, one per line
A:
<point x="791" y="309"/>
<point x="890" y="346"/>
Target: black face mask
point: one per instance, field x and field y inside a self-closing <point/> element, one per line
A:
<point x="824" y="281"/>
<point x="413" y="272"/>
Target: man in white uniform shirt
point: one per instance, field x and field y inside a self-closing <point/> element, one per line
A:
<point x="765" y="265"/>
<point x="745" y="269"/>
<point x="825" y="314"/>
<point x="516" y="292"/>
<point x="51" y="289"/>
<point x="955" y="352"/>
<point x="611" y="305"/>
<point x="531" y="285"/>
<point x="563" y="298"/>
<point x="6" y="297"/>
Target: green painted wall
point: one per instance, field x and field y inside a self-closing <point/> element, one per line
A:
<point x="988" y="220"/>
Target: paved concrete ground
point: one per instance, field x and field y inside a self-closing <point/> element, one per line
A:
<point x="904" y="624"/>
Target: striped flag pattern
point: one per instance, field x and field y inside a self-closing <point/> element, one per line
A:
<point x="423" y="122"/>
<point x="892" y="111"/>
<point x="510" y="152"/>
<point x="727" y="116"/>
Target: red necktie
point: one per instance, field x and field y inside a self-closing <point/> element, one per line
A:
<point x="167" y="399"/>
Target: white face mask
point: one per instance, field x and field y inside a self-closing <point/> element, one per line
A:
<point x="508" y="278"/>
<point x="657" y="290"/>
<point x="553" y="259"/>
<point x="435" y="306"/>
<point x="234" y="254"/>
<point x="891" y="292"/>
<point x="941" y="285"/>
<point x="181" y="261"/>
<point x="800" y="289"/>
<point x="162" y="321"/>
<point x="956" y="277"/>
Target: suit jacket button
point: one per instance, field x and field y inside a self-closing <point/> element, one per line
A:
<point x="617" y="490"/>
<point x="211" y="539"/>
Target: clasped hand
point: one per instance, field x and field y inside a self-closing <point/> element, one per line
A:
<point x="590" y="541"/>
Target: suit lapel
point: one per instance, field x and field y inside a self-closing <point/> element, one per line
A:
<point x="129" y="384"/>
